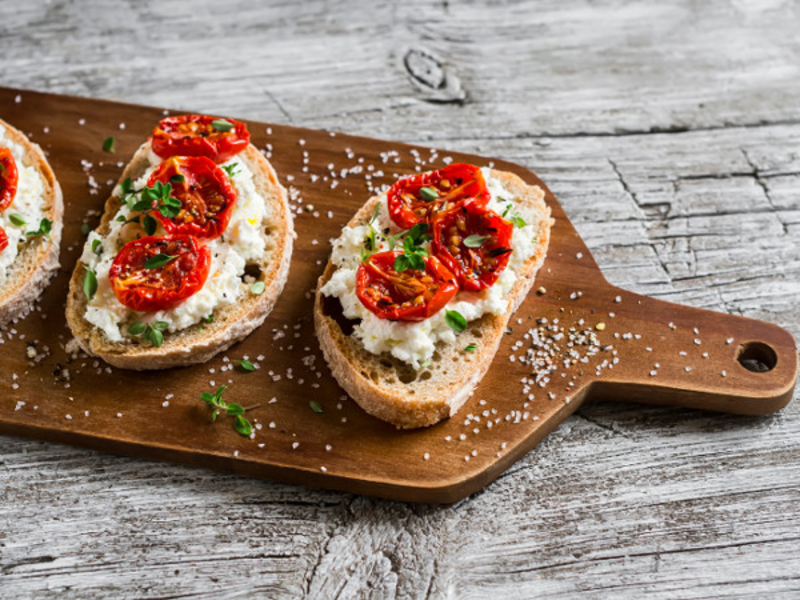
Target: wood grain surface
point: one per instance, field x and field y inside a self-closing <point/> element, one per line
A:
<point x="669" y="132"/>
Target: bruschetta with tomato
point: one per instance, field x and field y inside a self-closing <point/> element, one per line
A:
<point x="31" y="211"/>
<point x="421" y="284"/>
<point x="192" y="251"/>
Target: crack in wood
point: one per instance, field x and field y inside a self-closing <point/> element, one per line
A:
<point x="762" y="184"/>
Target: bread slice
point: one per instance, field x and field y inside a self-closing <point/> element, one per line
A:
<point x="392" y="390"/>
<point x="37" y="260"/>
<point x="232" y="322"/>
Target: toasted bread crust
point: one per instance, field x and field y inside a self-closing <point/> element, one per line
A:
<point x="367" y="378"/>
<point x="231" y="323"/>
<point x="37" y="262"/>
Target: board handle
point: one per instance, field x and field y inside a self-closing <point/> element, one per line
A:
<point x="689" y="357"/>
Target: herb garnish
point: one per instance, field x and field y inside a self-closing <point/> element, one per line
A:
<point x="231" y="409"/>
<point x="89" y="283"/>
<point x="152" y="332"/>
<point x="475" y="240"/>
<point x="97" y="247"/>
<point x="471" y="348"/>
<point x="316" y="407"/>
<point x="429" y="194"/>
<point x="231" y="170"/>
<point x="159" y="260"/>
<point x="222" y="125"/>
<point x="370" y="242"/>
<point x="455" y="320"/>
<point x="143" y="201"/>
<point x="45" y="225"/>
<point x="246" y="365"/>
<point x="258" y="288"/>
<point x="515" y="218"/>
<point x="414" y="254"/>
<point x="108" y="145"/>
<point x="17" y="220"/>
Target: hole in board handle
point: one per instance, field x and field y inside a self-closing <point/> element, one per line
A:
<point x="757" y="357"/>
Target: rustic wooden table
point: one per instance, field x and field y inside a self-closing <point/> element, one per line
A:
<point x="671" y="134"/>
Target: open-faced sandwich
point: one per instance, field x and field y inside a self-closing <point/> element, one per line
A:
<point x="412" y="305"/>
<point x="31" y="211"/>
<point x="192" y="251"/>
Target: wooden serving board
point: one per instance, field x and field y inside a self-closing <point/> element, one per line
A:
<point x="651" y="351"/>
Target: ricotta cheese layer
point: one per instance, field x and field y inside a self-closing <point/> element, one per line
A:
<point x="242" y="241"/>
<point x="28" y="203"/>
<point x="415" y="342"/>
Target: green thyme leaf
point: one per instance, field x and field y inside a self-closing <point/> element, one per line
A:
<point x="154" y="336"/>
<point x="177" y="178"/>
<point x="97" y="247"/>
<point x="234" y="409"/>
<point x="455" y="320"/>
<point x="429" y="194"/>
<point x="401" y="263"/>
<point x="137" y="328"/>
<point x="17" y="220"/>
<point x="209" y="318"/>
<point x="471" y="348"/>
<point x="316" y="406"/>
<point x="126" y="187"/>
<point x="89" y="283"/>
<point x="231" y="170"/>
<point x="475" y="240"/>
<point x="108" y="145"/>
<point x="518" y="221"/>
<point x="258" y="288"/>
<point x="246" y="365"/>
<point x="243" y="426"/>
<point x="149" y="224"/>
<point x="159" y="260"/>
<point x="45" y="226"/>
<point x="222" y="125"/>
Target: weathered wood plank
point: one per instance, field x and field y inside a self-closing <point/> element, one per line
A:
<point x="621" y="500"/>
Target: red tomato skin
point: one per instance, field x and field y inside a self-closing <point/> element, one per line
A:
<point x="479" y="221"/>
<point x="9" y="178"/>
<point x="193" y="135"/>
<point x="442" y="287"/>
<point x="196" y="170"/>
<point x="3" y="239"/>
<point x="188" y="272"/>
<point x="471" y="189"/>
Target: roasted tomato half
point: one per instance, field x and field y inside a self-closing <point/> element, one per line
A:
<point x="204" y="191"/>
<point x="3" y="239"/>
<point x="9" y="178"/>
<point x="200" y="135"/>
<point x="157" y="273"/>
<point x="408" y="296"/>
<point x="415" y="199"/>
<point x="474" y="243"/>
